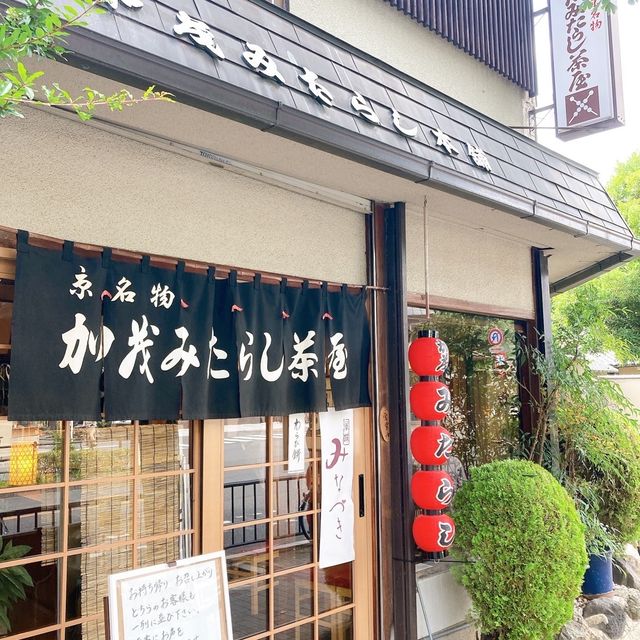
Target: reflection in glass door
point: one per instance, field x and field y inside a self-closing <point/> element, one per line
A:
<point x="269" y="525"/>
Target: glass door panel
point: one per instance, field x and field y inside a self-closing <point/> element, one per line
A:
<point x="269" y="486"/>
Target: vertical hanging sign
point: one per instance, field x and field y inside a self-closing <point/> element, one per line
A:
<point x="586" y="69"/>
<point x="297" y="444"/>
<point x="337" y="514"/>
<point x="432" y="488"/>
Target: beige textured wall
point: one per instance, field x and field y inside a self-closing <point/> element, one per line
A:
<point x="629" y="385"/>
<point x="469" y="264"/>
<point x="91" y="186"/>
<point x="377" y="28"/>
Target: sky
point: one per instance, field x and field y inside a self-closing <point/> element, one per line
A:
<point x="599" y="151"/>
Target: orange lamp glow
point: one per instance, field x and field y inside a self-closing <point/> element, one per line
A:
<point x="23" y="463"/>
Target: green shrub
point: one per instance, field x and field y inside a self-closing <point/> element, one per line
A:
<point x="587" y="434"/>
<point x="522" y="545"/>
<point x="601" y="443"/>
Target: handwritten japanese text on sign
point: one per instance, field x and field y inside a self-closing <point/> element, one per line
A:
<point x="584" y="61"/>
<point x="297" y="442"/>
<point x="170" y="603"/>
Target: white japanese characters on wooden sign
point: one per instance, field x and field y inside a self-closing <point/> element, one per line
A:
<point x="203" y="36"/>
<point x="185" y="601"/>
<point x="337" y="513"/>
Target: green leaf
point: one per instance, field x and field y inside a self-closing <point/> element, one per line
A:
<point x="4" y="619"/>
<point x="34" y="76"/>
<point x="12" y="78"/>
<point x="63" y="93"/>
<point x="53" y="19"/>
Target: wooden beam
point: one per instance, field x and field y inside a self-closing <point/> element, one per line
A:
<point x="464" y="306"/>
<point x="380" y="379"/>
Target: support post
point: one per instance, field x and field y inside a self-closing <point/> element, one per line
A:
<point x="400" y="464"/>
<point x="543" y="329"/>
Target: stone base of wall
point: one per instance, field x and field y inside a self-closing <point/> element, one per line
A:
<point x="615" y="616"/>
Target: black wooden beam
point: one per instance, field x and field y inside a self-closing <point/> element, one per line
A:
<point x="542" y="298"/>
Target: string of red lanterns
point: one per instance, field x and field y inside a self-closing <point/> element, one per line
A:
<point x="432" y="488"/>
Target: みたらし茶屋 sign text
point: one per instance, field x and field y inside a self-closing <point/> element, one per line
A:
<point x="95" y="337"/>
<point x="585" y="68"/>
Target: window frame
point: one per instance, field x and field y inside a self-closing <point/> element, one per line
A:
<point x="136" y="477"/>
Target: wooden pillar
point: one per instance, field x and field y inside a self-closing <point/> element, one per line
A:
<point x="397" y="579"/>
<point x="543" y="329"/>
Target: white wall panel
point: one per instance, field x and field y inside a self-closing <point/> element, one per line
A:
<point x="387" y="34"/>
<point x="469" y="264"/>
<point x="68" y="180"/>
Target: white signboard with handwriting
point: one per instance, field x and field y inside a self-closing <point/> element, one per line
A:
<point x="297" y="442"/>
<point x="188" y="600"/>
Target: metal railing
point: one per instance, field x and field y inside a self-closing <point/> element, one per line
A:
<point x="245" y="500"/>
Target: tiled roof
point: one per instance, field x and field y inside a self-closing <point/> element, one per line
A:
<point x="525" y="178"/>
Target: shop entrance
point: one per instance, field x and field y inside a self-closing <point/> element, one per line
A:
<point x="267" y="518"/>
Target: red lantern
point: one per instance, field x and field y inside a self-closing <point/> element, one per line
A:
<point x="428" y="356"/>
<point x="430" y="400"/>
<point x="434" y="533"/>
<point x="431" y="445"/>
<point x="432" y="490"/>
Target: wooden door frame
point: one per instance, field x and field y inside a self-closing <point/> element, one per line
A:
<point x="365" y="583"/>
<point x="212" y="507"/>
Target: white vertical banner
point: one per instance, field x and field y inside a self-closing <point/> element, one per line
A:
<point x="337" y="513"/>
<point x="297" y="442"/>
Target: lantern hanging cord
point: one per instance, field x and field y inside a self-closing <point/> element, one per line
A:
<point x="426" y="256"/>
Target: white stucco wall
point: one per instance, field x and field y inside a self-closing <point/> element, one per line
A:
<point x="379" y="29"/>
<point x="469" y="264"/>
<point x="69" y="180"/>
<point x="629" y="385"/>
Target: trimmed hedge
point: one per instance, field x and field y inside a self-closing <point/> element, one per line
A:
<point x="521" y="537"/>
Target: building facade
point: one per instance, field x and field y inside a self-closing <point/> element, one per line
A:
<point x="362" y="143"/>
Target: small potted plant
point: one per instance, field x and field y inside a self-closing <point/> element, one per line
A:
<point x="602" y="472"/>
<point x="601" y="542"/>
